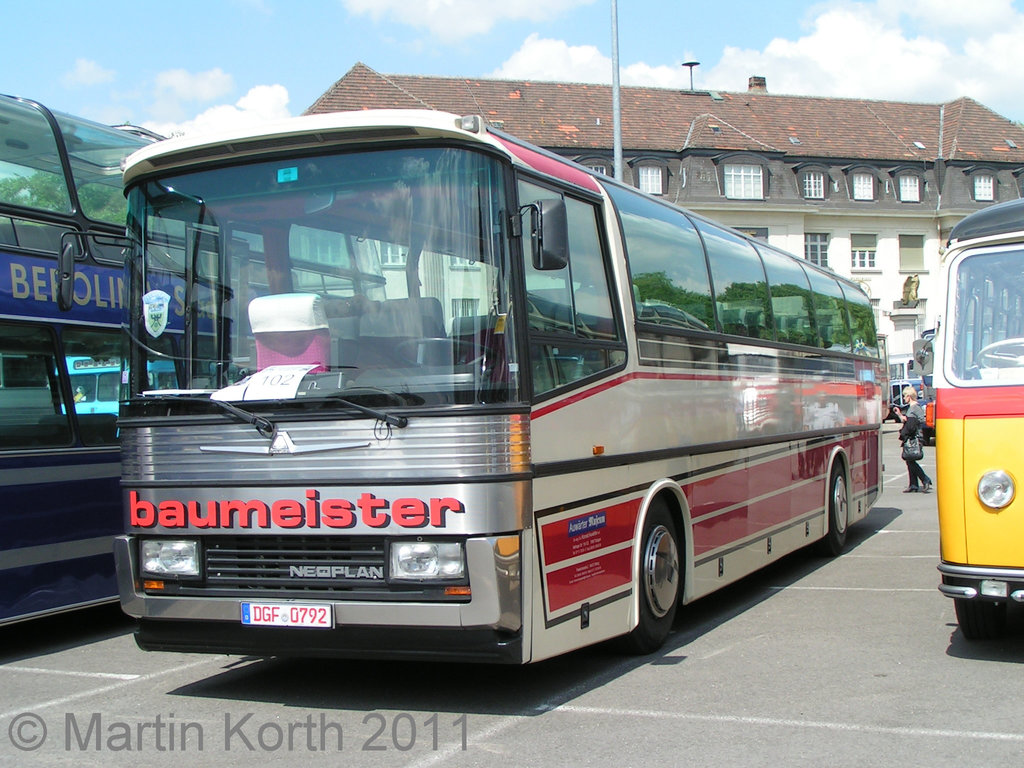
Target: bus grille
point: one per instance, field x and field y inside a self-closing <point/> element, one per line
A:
<point x="290" y="563"/>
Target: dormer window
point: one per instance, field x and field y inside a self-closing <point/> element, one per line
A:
<point x="863" y="186"/>
<point x="650" y="179"/>
<point x="984" y="187"/>
<point x="744" y="181"/>
<point x="910" y="188"/>
<point x="814" y="185"/>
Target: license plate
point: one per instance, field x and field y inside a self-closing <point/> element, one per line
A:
<point x="287" y="615"/>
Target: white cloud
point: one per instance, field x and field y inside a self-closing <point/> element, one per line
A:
<point x="451" y="20"/>
<point x="263" y="103"/>
<point x="86" y="73"/>
<point x="182" y="85"/>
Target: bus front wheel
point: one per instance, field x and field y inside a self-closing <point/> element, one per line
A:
<point x="980" y="619"/>
<point x="659" y="581"/>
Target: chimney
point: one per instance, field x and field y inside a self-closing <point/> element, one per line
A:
<point x="757" y="84"/>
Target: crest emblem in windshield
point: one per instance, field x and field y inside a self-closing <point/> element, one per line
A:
<point x="154" y="311"/>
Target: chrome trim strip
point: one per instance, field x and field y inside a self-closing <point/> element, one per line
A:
<point x="58" y="552"/>
<point x="981" y="572"/>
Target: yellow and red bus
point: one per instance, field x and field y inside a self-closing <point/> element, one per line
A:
<point x="979" y="383"/>
<point x="442" y="394"/>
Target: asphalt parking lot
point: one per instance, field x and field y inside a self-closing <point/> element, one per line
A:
<point x="853" y="661"/>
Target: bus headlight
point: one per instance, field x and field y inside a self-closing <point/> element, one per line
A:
<point x="169" y="557"/>
<point x="996" y="489"/>
<point x="427" y="561"/>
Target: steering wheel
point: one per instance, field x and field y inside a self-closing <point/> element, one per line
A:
<point x="1008" y="353"/>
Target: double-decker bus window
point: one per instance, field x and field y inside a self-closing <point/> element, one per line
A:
<point x="31" y="175"/>
<point x="671" y="286"/>
<point x="33" y="413"/>
<point x="741" y="289"/>
<point x="94" y="367"/>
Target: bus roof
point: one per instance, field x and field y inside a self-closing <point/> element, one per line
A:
<point x="999" y="219"/>
<point x="321" y="130"/>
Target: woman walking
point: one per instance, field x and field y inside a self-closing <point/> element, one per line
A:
<point x="911" y="431"/>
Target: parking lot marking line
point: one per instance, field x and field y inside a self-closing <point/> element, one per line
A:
<point x="792" y="723"/>
<point x="854" y="589"/>
<point x="70" y="673"/>
<point x="889" y="557"/>
<point x="96" y="691"/>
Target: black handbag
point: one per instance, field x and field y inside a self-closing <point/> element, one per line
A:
<point x="912" y="449"/>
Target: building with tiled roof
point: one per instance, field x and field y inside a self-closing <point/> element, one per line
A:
<point x="869" y="188"/>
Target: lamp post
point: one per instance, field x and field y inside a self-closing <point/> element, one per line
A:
<point x="616" y="110"/>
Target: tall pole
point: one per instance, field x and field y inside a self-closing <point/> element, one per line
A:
<point x="616" y="110"/>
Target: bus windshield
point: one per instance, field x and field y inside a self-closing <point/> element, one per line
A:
<point x="314" y="278"/>
<point x="987" y="334"/>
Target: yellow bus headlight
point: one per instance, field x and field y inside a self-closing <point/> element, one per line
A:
<point x="996" y="489"/>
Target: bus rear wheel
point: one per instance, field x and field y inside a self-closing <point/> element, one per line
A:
<point x="838" y="514"/>
<point x="659" y="581"/>
<point x="980" y="619"/>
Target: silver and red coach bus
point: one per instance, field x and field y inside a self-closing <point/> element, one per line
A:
<point x="438" y="393"/>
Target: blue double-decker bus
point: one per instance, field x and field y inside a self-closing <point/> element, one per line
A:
<point x="60" y="183"/>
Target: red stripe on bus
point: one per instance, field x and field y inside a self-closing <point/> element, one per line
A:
<point x="589" y="532"/>
<point x="582" y="581"/>
<point x="612" y="383"/>
<point x="991" y="402"/>
<point x="551" y="166"/>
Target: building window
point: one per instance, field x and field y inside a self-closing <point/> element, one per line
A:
<point x="599" y="168"/>
<point x="744" y="182"/>
<point x="649" y="177"/>
<point x="862" y="251"/>
<point x="816" y="248"/>
<point x="758" y="233"/>
<point x="863" y="186"/>
<point x="814" y="185"/>
<point x="910" y="189"/>
<point x="984" y="187"/>
<point x="911" y="253"/>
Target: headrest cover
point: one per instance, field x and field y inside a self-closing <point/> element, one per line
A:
<point x="287" y="312"/>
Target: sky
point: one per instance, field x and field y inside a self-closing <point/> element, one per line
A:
<point x="195" y="65"/>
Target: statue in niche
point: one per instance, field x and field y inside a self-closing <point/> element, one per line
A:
<point x="910" y="290"/>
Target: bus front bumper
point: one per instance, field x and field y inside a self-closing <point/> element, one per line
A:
<point x="487" y="628"/>
<point x="973" y="582"/>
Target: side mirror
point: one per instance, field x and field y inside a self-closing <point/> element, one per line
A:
<point x="548" y="229"/>
<point x="923" y="357"/>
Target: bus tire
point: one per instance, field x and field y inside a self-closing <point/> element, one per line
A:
<point x="659" y="581"/>
<point x="980" y="619"/>
<point x="838" y="514"/>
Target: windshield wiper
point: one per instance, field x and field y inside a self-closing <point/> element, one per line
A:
<point x="264" y="426"/>
<point x="394" y="421"/>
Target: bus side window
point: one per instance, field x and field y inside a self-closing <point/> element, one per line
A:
<point x="741" y="288"/>
<point x="32" y="414"/>
<point x="791" y="298"/>
<point x="94" y="368"/>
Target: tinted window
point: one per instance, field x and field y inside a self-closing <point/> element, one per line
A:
<point x="741" y="291"/>
<point x="32" y="413"/>
<point x="791" y="298"/>
<point x="862" y="322"/>
<point x="666" y="262"/>
<point x="830" y="311"/>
